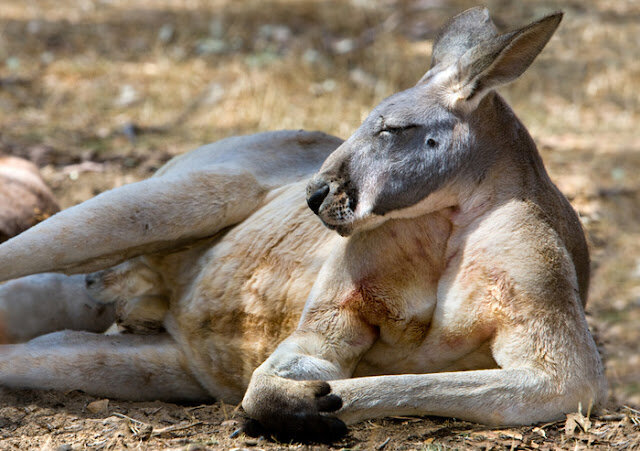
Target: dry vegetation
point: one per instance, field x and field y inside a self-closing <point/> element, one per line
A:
<point x="101" y="93"/>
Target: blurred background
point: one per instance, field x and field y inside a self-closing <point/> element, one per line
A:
<point x="101" y="93"/>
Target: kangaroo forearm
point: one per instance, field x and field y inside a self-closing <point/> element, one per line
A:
<point x="496" y="397"/>
<point x="297" y="358"/>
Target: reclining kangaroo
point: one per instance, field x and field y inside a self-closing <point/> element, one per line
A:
<point x="454" y="286"/>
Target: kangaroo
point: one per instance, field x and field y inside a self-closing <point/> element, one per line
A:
<point x="434" y="270"/>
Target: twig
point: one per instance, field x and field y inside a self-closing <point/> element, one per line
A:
<point x="192" y="408"/>
<point x="140" y="429"/>
<point x="121" y="415"/>
<point x="383" y="444"/>
<point x="224" y="411"/>
<point x="412" y="419"/>
<point x="612" y="417"/>
<point x="553" y="423"/>
<point x="175" y="427"/>
<point x="637" y="412"/>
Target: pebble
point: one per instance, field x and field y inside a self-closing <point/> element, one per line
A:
<point x="100" y="406"/>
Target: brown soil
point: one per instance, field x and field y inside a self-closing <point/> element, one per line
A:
<point x="99" y="94"/>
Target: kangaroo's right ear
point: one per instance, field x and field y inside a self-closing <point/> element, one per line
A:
<point x="498" y="60"/>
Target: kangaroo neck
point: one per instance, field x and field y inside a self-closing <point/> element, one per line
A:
<point x="398" y="245"/>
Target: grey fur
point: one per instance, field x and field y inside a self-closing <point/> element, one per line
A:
<point x="463" y="32"/>
<point x="418" y="141"/>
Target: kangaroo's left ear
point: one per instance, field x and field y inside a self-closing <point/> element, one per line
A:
<point x="499" y="60"/>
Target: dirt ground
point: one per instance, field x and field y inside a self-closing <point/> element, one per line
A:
<point x="101" y="93"/>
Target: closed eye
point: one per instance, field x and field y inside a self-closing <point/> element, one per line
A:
<point x="395" y="130"/>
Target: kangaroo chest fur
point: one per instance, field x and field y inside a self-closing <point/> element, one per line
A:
<point x="253" y="285"/>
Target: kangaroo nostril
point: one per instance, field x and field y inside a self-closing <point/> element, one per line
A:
<point x="315" y="200"/>
<point x="89" y="280"/>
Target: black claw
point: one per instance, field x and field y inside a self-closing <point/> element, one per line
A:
<point x="329" y="403"/>
<point x="337" y="428"/>
<point x="253" y="428"/>
<point x="302" y="428"/>
<point x="302" y="423"/>
<point x="323" y="389"/>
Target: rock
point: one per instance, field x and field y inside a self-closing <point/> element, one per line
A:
<point x="100" y="406"/>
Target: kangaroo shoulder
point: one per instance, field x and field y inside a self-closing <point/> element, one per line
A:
<point x="518" y="241"/>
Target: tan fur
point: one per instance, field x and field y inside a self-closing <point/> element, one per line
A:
<point x="466" y="303"/>
<point x="138" y="292"/>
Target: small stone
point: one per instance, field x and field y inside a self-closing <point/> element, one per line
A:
<point x="618" y="174"/>
<point x="13" y="63"/>
<point x="275" y="33"/>
<point x="166" y="32"/>
<point x="211" y="46"/>
<point x="311" y="56"/>
<point x="261" y="59"/>
<point x="127" y="96"/>
<point x="215" y="93"/>
<point x="100" y="406"/>
<point x="343" y="46"/>
<point x="47" y="58"/>
<point x="34" y="26"/>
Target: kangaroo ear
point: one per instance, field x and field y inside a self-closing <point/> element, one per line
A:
<point x="460" y="34"/>
<point x="500" y="60"/>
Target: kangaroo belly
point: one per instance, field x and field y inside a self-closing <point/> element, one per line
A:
<point x="250" y="292"/>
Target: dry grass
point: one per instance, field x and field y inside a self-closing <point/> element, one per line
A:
<point x="75" y="75"/>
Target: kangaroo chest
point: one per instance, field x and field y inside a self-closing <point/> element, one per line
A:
<point x="424" y="309"/>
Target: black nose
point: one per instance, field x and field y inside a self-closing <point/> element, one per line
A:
<point x="89" y="280"/>
<point x="315" y="200"/>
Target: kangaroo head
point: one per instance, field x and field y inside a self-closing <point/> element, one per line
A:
<point x="417" y="145"/>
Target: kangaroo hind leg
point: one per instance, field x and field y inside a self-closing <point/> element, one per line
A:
<point x="192" y="197"/>
<point x="130" y="367"/>
<point x="39" y="304"/>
